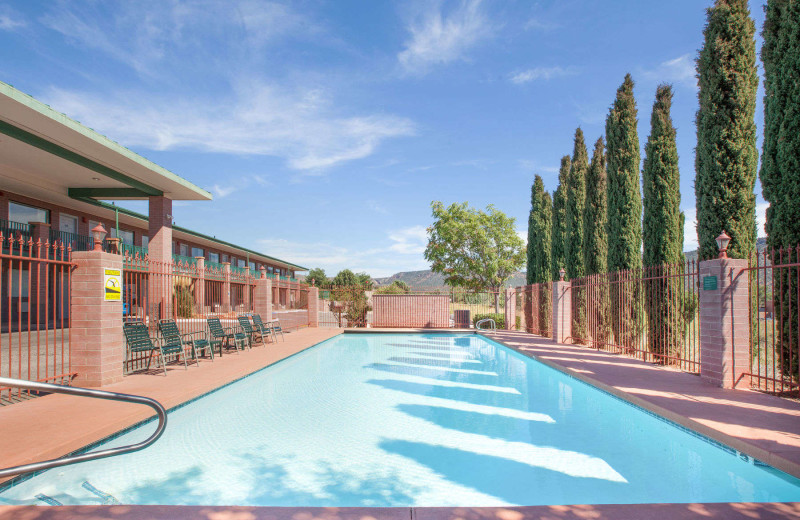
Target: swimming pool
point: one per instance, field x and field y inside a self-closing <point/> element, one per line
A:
<point x="411" y="420"/>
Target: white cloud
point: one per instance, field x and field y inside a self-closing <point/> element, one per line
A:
<point x="761" y="219"/>
<point x="545" y="73"/>
<point x="437" y="38"/>
<point x="401" y="251"/>
<point x="537" y="24"/>
<point x="530" y="165"/>
<point x="10" y="20"/>
<point x="298" y="125"/>
<point x="680" y="70"/>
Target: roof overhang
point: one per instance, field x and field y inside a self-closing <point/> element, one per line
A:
<point x="41" y="149"/>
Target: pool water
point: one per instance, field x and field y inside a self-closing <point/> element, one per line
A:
<point x="410" y="420"/>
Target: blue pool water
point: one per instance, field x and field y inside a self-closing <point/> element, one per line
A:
<point x="411" y="420"/>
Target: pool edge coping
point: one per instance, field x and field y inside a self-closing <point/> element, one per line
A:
<point x="772" y="459"/>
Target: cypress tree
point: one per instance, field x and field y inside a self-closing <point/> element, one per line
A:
<point x="663" y="230"/>
<point x="539" y="234"/>
<point x="576" y="203"/>
<point x="780" y="160"/>
<point x="560" y="219"/>
<point x="595" y="241"/>
<point x="726" y="156"/>
<point x="624" y="213"/>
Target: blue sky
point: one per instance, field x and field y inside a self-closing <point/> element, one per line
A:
<point x="324" y="129"/>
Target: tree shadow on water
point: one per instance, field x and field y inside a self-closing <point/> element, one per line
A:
<point x="435" y="373"/>
<point x="486" y="397"/>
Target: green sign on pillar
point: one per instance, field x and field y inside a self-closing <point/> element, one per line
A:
<point x="709" y="283"/>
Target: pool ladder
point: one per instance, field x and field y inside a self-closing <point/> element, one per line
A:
<point x="84" y="392"/>
<point x="490" y="321"/>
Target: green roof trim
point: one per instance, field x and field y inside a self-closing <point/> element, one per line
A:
<point x="140" y="216"/>
<point x="47" y="111"/>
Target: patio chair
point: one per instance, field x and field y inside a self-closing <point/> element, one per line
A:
<point x="244" y="323"/>
<point x="226" y="335"/>
<point x="196" y="340"/>
<point x="138" y="340"/>
<point x="273" y="327"/>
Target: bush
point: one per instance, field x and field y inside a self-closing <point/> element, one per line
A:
<point x="499" y="319"/>
<point x="184" y="301"/>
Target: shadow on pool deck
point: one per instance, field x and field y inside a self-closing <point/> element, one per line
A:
<point x="763" y="426"/>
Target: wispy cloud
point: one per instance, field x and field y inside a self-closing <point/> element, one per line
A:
<point x="437" y="38"/>
<point x="545" y="73"/>
<point x="530" y="165"/>
<point x="537" y="24"/>
<point x="680" y="70"/>
<point x="10" y="20"/>
<point x="300" y="126"/>
<point x="373" y="205"/>
<point x="690" y="225"/>
<point x="409" y="241"/>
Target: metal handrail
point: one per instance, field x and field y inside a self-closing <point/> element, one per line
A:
<point x="486" y="320"/>
<point x="84" y="392"/>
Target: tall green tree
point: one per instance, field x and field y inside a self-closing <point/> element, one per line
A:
<point x="595" y="243"/>
<point x="624" y="213"/>
<point x="780" y="160"/>
<point x="316" y="277"/>
<point x="539" y="234"/>
<point x="726" y="155"/>
<point x="474" y="249"/>
<point x="663" y="231"/>
<point x="576" y="205"/>
<point x="559" y="235"/>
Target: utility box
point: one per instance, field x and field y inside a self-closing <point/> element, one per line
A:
<point x="461" y="319"/>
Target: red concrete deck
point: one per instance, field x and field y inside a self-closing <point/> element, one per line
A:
<point x="54" y="425"/>
<point x="763" y="426"/>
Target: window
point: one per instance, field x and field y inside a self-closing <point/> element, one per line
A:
<point x="25" y="214"/>
<point x="145" y="240"/>
<point x="198" y="251"/>
<point x="241" y="263"/>
<point x="269" y="269"/>
<point x="126" y="236"/>
<point x="184" y="250"/>
<point x="68" y="223"/>
<point x="224" y="258"/>
<point x="213" y="257"/>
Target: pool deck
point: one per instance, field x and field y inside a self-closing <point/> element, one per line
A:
<point x="760" y="425"/>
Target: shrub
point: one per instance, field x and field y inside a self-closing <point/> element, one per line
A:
<point x="499" y="319"/>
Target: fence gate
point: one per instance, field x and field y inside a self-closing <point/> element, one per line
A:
<point x="34" y="313"/>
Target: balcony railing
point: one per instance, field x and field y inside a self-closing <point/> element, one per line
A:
<point x="72" y="240"/>
<point x="132" y="251"/>
<point x="9" y="227"/>
<point x="186" y="260"/>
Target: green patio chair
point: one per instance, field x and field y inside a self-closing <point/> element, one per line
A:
<point x="197" y="340"/>
<point x="226" y="335"/>
<point x="137" y="340"/>
<point x="273" y="327"/>
<point x="244" y="323"/>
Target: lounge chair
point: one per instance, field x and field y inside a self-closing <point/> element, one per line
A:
<point x="196" y="340"/>
<point x="226" y="335"/>
<point x="138" y="340"/>
<point x="272" y="327"/>
<point x="244" y="323"/>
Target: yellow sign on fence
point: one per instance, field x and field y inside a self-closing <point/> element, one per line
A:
<point x="112" y="284"/>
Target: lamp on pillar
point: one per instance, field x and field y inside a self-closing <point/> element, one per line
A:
<point x="722" y="243"/>
<point x="562" y="273"/>
<point x="98" y="234"/>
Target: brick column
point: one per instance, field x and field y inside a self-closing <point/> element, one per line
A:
<point x="313" y="306"/>
<point x="511" y="308"/>
<point x="159" y="251"/>
<point x="262" y="297"/>
<point x="200" y="285"/>
<point x="562" y="311"/>
<point x="725" y="323"/>
<point x="96" y="341"/>
<point x="226" y="287"/>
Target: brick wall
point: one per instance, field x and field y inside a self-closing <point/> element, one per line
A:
<point x="411" y="310"/>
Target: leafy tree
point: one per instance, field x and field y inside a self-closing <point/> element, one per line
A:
<point x="396" y="287"/>
<point x="539" y="234"/>
<point x="726" y="156"/>
<point x="559" y="235"/>
<point x="624" y="213"/>
<point x="474" y="249"/>
<point x="663" y="231"/>
<point x="576" y="204"/>
<point x="780" y="160"/>
<point x="349" y="300"/>
<point x="346" y="277"/>
<point x="316" y="277"/>
<point x="595" y="242"/>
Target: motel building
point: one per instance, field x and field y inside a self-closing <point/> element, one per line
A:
<point x="56" y="177"/>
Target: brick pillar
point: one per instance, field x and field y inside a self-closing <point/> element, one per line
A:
<point x="159" y="251"/>
<point x="313" y="307"/>
<point x="96" y="342"/>
<point x="37" y="292"/>
<point x="511" y="308"/>
<point x="562" y="311"/>
<point x="725" y="323"/>
<point x="262" y="297"/>
<point x="248" y="281"/>
<point x="226" y="287"/>
<point x="200" y="286"/>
